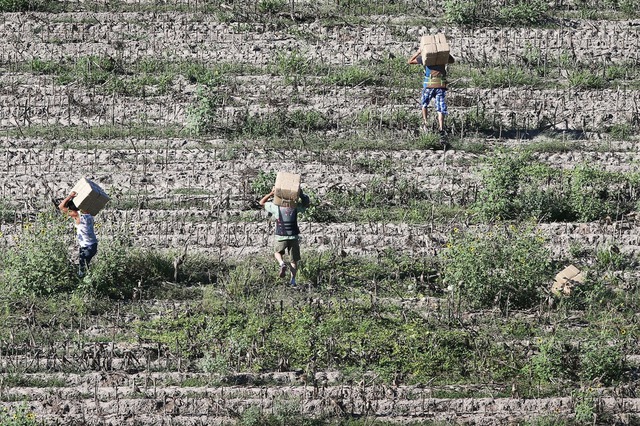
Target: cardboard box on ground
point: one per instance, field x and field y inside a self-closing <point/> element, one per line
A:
<point x="434" y="49"/>
<point x="287" y="189"/>
<point x="90" y="196"/>
<point x="566" y="280"/>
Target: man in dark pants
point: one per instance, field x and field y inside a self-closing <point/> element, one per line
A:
<point x="83" y="223"/>
<point x="287" y="232"/>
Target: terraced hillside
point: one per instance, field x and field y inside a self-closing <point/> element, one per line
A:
<point x="423" y="296"/>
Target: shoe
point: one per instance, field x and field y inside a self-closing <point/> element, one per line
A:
<point x="283" y="270"/>
<point x="293" y="282"/>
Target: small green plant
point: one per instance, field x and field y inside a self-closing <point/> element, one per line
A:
<point x="621" y="131"/>
<point x="503" y="267"/>
<point x="271" y="7"/>
<point x="503" y="77"/>
<point x="629" y="8"/>
<point x="20" y="5"/>
<point x="352" y="76"/>
<point x="461" y="12"/>
<point x="112" y="273"/>
<point x="554" y="360"/>
<point x="263" y="183"/>
<point x="18" y="416"/>
<point x="524" y="13"/>
<point x="202" y="114"/>
<point x="291" y="65"/>
<point x="584" y="406"/>
<point x="602" y="361"/>
<point x="585" y="79"/>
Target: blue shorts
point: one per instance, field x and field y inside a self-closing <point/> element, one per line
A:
<point x="438" y="94"/>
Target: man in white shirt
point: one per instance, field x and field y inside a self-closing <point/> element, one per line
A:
<point x="87" y="240"/>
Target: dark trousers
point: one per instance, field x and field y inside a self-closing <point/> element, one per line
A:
<point x="86" y="254"/>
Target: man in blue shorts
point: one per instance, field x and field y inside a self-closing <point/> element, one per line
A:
<point x="434" y="86"/>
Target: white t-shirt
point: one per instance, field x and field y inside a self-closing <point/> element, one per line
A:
<point x="85" y="232"/>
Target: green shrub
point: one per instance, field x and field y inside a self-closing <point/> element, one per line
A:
<point x="629" y="8"/>
<point x="602" y="361"/>
<point x="262" y="184"/>
<point x="291" y="65"/>
<point x="461" y="12"/>
<point x="202" y="114"/>
<point x="585" y="406"/>
<point x="504" y="267"/>
<point x="553" y="360"/>
<point x="352" y="76"/>
<point x="585" y="79"/>
<point x="38" y="262"/>
<point x="271" y="7"/>
<point x="503" y="77"/>
<point x="523" y="13"/>
<point x="112" y="272"/>
<point x="590" y="195"/>
<point x="18" y="416"/>
<point x="621" y="131"/>
<point x="20" y="5"/>
<point x="516" y="187"/>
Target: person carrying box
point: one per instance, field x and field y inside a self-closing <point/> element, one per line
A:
<point x="84" y="224"/>
<point x="287" y="231"/>
<point x="434" y="86"/>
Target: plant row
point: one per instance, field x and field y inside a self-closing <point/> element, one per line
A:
<point x="351" y="313"/>
<point x="282" y="12"/>
<point x="148" y="77"/>
<point x="510" y="187"/>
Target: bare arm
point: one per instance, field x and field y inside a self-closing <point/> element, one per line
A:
<point x="264" y="199"/>
<point x="66" y="210"/>
<point x="414" y="59"/>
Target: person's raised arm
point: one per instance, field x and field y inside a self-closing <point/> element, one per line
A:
<point x="414" y="59"/>
<point x="64" y="208"/>
<point x="264" y="199"/>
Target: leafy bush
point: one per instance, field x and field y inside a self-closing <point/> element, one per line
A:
<point x="591" y="195"/>
<point x="461" y="12"/>
<point x="602" y="361"/>
<point x="621" y="131"/>
<point x="352" y="76"/>
<point x="202" y="114"/>
<point x="524" y="13"/>
<point x="585" y="79"/>
<point x="18" y="416"/>
<point x="38" y="262"/>
<point x="508" y="13"/>
<point x="111" y="273"/>
<point x="20" y="5"/>
<point x="505" y="267"/>
<point x="263" y="183"/>
<point x="516" y="187"/>
<point x="554" y="360"/>
<point x="271" y="7"/>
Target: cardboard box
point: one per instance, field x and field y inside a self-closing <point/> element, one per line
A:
<point x="434" y="49"/>
<point x="90" y="197"/>
<point x="287" y="189"/>
<point x="565" y="281"/>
